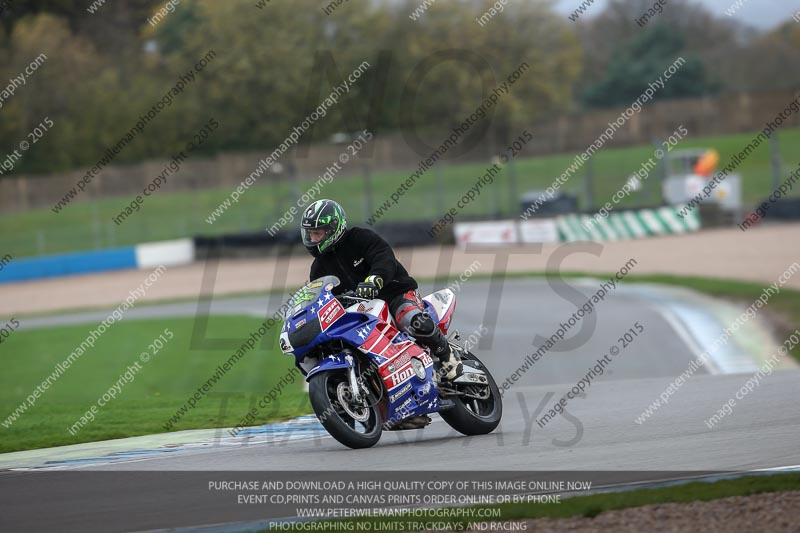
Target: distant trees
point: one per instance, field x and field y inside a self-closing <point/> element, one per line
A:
<point x="723" y="54"/>
<point x="770" y="61"/>
<point x="274" y="65"/>
<point x="642" y="61"/>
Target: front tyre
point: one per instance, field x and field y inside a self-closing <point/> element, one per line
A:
<point x="473" y="415"/>
<point x="354" y="424"/>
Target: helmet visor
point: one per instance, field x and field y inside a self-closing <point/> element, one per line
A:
<point x="316" y="236"/>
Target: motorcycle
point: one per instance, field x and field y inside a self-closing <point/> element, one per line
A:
<point x="365" y="376"/>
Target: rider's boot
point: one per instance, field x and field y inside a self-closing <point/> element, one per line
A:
<point x="427" y="334"/>
<point x="451" y="362"/>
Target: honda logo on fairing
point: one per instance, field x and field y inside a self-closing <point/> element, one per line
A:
<point x="401" y="376"/>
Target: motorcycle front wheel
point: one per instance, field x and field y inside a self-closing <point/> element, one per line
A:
<point x="354" y="424"/>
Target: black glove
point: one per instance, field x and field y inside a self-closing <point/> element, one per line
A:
<point x="369" y="287"/>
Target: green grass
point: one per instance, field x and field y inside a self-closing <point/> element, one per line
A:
<point x="87" y="224"/>
<point x="161" y="386"/>
<point x="592" y="505"/>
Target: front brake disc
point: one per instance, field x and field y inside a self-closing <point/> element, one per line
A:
<point x="346" y="401"/>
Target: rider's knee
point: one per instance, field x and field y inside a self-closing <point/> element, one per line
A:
<point x="420" y="324"/>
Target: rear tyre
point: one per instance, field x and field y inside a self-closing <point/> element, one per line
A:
<point x="356" y="425"/>
<point x="472" y="416"/>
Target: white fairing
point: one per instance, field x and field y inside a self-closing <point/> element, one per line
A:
<point x="286" y="346"/>
<point x="377" y="308"/>
<point x="442" y="302"/>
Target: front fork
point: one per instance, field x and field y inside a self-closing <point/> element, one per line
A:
<point x="351" y="375"/>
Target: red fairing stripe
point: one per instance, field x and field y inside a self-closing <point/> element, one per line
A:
<point x="376" y="342"/>
<point x="379" y="341"/>
<point x="390" y="331"/>
<point x="444" y="323"/>
<point x="399" y="354"/>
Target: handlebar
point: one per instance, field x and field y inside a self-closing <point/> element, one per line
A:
<point x="351" y="295"/>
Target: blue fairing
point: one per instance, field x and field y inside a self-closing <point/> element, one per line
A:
<point x="332" y="362"/>
<point x="431" y="311"/>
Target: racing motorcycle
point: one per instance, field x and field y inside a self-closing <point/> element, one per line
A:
<point x="365" y="376"/>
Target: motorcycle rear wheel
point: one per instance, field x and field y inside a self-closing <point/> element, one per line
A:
<point x="472" y="416"/>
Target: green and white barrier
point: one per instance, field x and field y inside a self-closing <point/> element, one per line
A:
<point x="626" y="225"/>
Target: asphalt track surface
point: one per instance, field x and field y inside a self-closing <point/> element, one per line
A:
<point x="598" y="433"/>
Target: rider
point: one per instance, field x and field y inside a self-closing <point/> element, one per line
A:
<point x="361" y="254"/>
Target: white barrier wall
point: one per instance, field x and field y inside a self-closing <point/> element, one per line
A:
<point x="506" y="232"/>
<point x="167" y="253"/>
<point x="572" y="228"/>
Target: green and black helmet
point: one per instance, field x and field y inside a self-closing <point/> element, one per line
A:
<point x="326" y="215"/>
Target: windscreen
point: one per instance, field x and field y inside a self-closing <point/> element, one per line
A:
<point x="309" y="293"/>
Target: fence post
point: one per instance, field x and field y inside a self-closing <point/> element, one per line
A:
<point x="775" y="160"/>
<point x="439" y="191"/>
<point x="276" y="198"/>
<point x="663" y="170"/>
<point x="41" y="242"/>
<point x="649" y="186"/>
<point x="97" y="230"/>
<point x="587" y="183"/>
<point x="111" y="231"/>
<point x="294" y="182"/>
<point x="367" y="190"/>
<point x="512" y="188"/>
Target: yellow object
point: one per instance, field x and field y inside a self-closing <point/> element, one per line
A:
<point x="706" y="164"/>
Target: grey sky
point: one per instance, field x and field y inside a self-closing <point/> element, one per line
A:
<point x="760" y="13"/>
